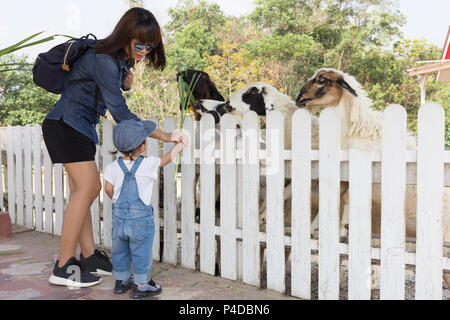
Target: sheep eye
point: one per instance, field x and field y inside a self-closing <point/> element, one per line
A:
<point x="322" y="80"/>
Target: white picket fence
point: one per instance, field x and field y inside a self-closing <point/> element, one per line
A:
<point x="37" y="193"/>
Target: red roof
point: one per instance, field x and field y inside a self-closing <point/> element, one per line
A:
<point x="446" y="49"/>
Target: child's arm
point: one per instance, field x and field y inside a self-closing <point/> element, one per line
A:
<point x="109" y="189"/>
<point x="177" y="148"/>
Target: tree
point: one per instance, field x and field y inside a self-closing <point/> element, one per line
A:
<point x="22" y="102"/>
<point x="192" y="31"/>
<point x="230" y="70"/>
<point x="135" y="3"/>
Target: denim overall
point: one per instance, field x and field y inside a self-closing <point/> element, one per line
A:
<point x="133" y="230"/>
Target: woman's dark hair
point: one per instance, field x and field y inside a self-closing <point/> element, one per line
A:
<point x="136" y="23"/>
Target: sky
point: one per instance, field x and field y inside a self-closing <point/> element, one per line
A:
<point x="426" y="19"/>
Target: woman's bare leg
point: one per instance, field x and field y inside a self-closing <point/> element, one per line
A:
<point x="86" y="238"/>
<point x="84" y="188"/>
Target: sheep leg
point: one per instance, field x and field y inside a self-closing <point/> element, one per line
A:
<point x="343" y="232"/>
<point x="315" y="224"/>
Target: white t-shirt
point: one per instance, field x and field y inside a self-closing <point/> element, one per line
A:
<point x="145" y="177"/>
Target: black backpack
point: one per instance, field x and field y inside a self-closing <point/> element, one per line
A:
<point x="51" y="68"/>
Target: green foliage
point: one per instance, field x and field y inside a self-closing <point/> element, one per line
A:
<point x="282" y="42"/>
<point x="193" y="32"/>
<point x="22" y="102"/>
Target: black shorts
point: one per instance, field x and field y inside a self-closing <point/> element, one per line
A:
<point x="65" y="144"/>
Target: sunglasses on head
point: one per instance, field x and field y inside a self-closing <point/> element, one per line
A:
<point x="139" y="47"/>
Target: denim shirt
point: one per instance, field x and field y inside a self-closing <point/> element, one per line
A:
<point x="77" y="101"/>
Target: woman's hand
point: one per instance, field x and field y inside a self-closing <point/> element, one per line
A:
<point x="128" y="82"/>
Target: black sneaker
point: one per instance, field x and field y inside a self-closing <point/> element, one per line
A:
<point x="73" y="274"/>
<point x="150" y="289"/>
<point x="98" y="263"/>
<point x="120" y="287"/>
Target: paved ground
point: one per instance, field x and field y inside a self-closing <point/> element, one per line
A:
<point x="27" y="259"/>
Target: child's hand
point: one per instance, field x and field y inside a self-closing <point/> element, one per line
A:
<point x="178" y="147"/>
<point x="179" y="136"/>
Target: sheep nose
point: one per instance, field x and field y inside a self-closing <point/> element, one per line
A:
<point x="301" y="103"/>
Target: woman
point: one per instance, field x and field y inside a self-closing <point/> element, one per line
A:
<point x="70" y="135"/>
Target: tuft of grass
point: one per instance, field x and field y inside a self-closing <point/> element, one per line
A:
<point x="185" y="91"/>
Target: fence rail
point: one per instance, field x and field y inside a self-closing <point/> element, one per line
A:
<point x="35" y="193"/>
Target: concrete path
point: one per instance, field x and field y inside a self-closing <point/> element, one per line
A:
<point x="27" y="259"/>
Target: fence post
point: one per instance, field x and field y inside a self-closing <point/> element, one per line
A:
<point x="275" y="202"/>
<point x="207" y="194"/>
<point x="301" y="205"/>
<point x="95" y="207"/>
<point x="19" y="176"/>
<point x="153" y="150"/>
<point x="37" y="160"/>
<point x="170" y="208"/>
<point x="59" y="197"/>
<point x="360" y="225"/>
<point x="228" y="206"/>
<point x="188" y="192"/>
<point x="11" y="175"/>
<point x="28" y="178"/>
<point x="329" y="190"/>
<point x="250" y="207"/>
<point x="393" y="172"/>
<point x="48" y="194"/>
<point x="106" y="227"/>
<point x="430" y="177"/>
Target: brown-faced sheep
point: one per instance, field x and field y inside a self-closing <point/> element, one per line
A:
<point x="361" y="129"/>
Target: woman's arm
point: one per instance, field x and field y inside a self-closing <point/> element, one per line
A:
<point x="176" y="136"/>
<point x="160" y="135"/>
<point x="106" y="76"/>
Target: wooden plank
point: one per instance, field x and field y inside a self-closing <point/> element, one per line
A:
<point x="108" y="146"/>
<point x="207" y="195"/>
<point x="11" y="174"/>
<point x="28" y="179"/>
<point x="188" y="199"/>
<point x="301" y="205"/>
<point x="228" y="196"/>
<point x="37" y="168"/>
<point x="19" y="176"/>
<point x="48" y="194"/>
<point x="275" y="202"/>
<point x="153" y="150"/>
<point x="360" y="225"/>
<point x="59" y="198"/>
<point x="95" y="206"/>
<point x="392" y="280"/>
<point x="170" y="207"/>
<point x="250" y="207"/>
<point x="430" y="176"/>
<point x="329" y="190"/>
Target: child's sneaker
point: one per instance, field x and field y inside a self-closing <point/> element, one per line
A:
<point x="98" y="263"/>
<point x="123" y="286"/>
<point x="73" y="274"/>
<point x="147" y="290"/>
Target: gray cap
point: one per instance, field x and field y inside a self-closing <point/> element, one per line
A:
<point x="129" y="134"/>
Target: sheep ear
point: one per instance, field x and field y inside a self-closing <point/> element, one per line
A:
<point x="250" y="90"/>
<point x="346" y="86"/>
